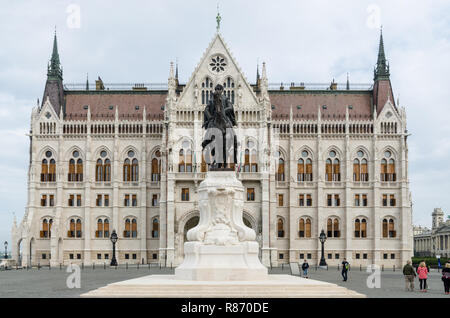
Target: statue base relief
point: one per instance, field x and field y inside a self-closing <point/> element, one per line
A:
<point x="221" y="257"/>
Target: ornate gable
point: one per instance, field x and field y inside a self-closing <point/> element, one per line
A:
<point x="217" y="66"/>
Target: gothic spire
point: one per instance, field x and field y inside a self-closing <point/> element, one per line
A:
<point x="382" y="68"/>
<point x="54" y="67"/>
<point x="348" y="83"/>
<point x="87" y="82"/>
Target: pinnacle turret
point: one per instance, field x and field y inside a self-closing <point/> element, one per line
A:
<point x="382" y="68"/>
<point x="54" y="67"/>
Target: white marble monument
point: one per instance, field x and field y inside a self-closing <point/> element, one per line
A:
<point x="221" y="247"/>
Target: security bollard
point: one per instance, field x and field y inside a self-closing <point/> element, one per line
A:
<point x="394" y="268"/>
<point x="137" y="265"/>
<point x="360" y="267"/>
<point x="126" y="266"/>
<point x="82" y="265"/>
<point x="104" y="265"/>
<point x="39" y="266"/>
<point x="60" y="266"/>
<point x="382" y="268"/>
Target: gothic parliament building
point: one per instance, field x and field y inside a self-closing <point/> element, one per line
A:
<point x="311" y="157"/>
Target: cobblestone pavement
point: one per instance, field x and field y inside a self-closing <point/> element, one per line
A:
<point x="52" y="283"/>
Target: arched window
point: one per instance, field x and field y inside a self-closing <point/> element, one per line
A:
<point x="207" y="90"/>
<point x="75" y="168"/>
<point x="130" y="228"/>
<point x="360" y="171"/>
<point x="332" y="167"/>
<point x="333" y="227"/>
<point x="74" y="228"/>
<point x="99" y="232"/>
<point x="387" y="170"/>
<point x="155" y="228"/>
<point x="44" y="171"/>
<point x="228" y="89"/>
<point x="99" y="170"/>
<point x="361" y="228"/>
<point x="102" y="228"/>
<point x="126" y="170"/>
<point x="46" y="228"/>
<point x="78" y="229"/>
<point x="156" y="166"/>
<point x="48" y="168"/>
<point x="134" y="228"/>
<point x="135" y="170"/>
<point x="103" y="168"/>
<point x="127" y="231"/>
<point x="304" y="167"/>
<point x="304" y="227"/>
<point x="389" y="228"/>
<point x="107" y="170"/>
<point x="280" y="171"/>
<point x="79" y="170"/>
<point x="72" y="176"/>
<point x="181" y="162"/>
<point x="185" y="157"/>
<point x="280" y="227"/>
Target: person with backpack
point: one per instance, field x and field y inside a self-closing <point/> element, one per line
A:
<point x="446" y="278"/>
<point x="345" y="268"/>
<point x="422" y="270"/>
<point x="410" y="274"/>
<point x="305" y="267"/>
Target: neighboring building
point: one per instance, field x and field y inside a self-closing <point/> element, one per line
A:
<point x="435" y="241"/>
<point x="130" y="159"/>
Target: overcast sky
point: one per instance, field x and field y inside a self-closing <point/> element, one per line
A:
<point x="301" y="41"/>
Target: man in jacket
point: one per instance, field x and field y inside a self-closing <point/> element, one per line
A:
<point x="305" y="267"/>
<point x="345" y="268"/>
<point x="410" y="274"/>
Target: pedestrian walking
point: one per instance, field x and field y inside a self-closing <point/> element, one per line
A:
<point x="446" y="278"/>
<point x="345" y="267"/>
<point x="305" y="267"/>
<point x="422" y="270"/>
<point x="410" y="274"/>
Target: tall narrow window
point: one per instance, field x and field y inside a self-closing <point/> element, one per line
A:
<point x="280" y="227"/>
<point x="308" y="228"/>
<point x="44" y="171"/>
<point x="78" y="228"/>
<point x="156" y="168"/>
<point x="99" y="170"/>
<point x="301" y="170"/>
<point x="106" y="199"/>
<point x="364" y="170"/>
<point x="155" y="200"/>
<point x="308" y="200"/>
<point x="384" y="201"/>
<point x="181" y="162"/>
<point x="107" y="170"/>
<point x="207" y="90"/>
<point x="391" y="170"/>
<point x="134" y="170"/>
<point x="333" y="228"/>
<point x="72" y="174"/>
<point x="134" y="200"/>
<point x="188" y="160"/>
<point x="301" y="198"/>
<point x="301" y="230"/>
<point x="99" y="232"/>
<point x="364" y="199"/>
<point x="328" y="170"/>
<point x="247" y="161"/>
<point x="106" y="228"/>
<point x="336" y="170"/>
<point x="127" y="170"/>
<point x="363" y="228"/>
<point x="127" y="231"/>
<point x="309" y="172"/>
<point x="126" y="201"/>
<point x="71" y="232"/>
<point x="79" y="170"/>
<point x="44" y="200"/>
<point x="392" y="200"/>
<point x="357" y="200"/>
<point x="44" y="232"/>
<point x="357" y="228"/>
<point x="385" y="228"/>
<point x="280" y="171"/>
<point x="155" y="228"/>
<point x="356" y="170"/>
<point x="134" y="228"/>
<point x="51" y="200"/>
<point x="280" y="200"/>
<point x="392" y="232"/>
<point x="71" y="201"/>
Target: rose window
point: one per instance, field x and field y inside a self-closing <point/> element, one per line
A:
<point x="217" y="64"/>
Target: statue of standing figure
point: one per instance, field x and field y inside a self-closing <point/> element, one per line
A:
<point x="220" y="142"/>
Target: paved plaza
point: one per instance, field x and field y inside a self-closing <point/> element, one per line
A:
<point x="52" y="283"/>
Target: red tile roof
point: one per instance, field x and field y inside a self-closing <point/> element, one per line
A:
<point x="309" y="102"/>
<point x="100" y="102"/>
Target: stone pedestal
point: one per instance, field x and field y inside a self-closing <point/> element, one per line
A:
<point x="221" y="247"/>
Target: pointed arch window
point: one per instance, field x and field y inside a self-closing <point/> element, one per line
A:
<point x="185" y="157"/>
<point x="44" y="171"/>
<point x="103" y="168"/>
<point x="127" y="170"/>
<point x="107" y="170"/>
<point x="387" y="170"/>
<point x="181" y="162"/>
<point x="46" y="228"/>
<point x="360" y="171"/>
<point x="130" y="228"/>
<point x="102" y="228"/>
<point x="280" y="171"/>
<point x="332" y="167"/>
<point x="228" y="87"/>
<point x="389" y="228"/>
<point x="156" y="166"/>
<point x="75" y="168"/>
<point x="304" y="167"/>
<point x="207" y="90"/>
<point x="280" y="228"/>
<point x="333" y="228"/>
<point x="72" y="169"/>
<point x="360" y="228"/>
<point x="304" y="228"/>
<point x="79" y="170"/>
<point x="74" y="228"/>
<point x="99" y="170"/>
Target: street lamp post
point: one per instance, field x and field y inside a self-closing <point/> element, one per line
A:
<point x="322" y="238"/>
<point x="114" y="241"/>
<point x="6" y="250"/>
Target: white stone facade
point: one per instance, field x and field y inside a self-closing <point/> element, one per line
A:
<point x="181" y="128"/>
